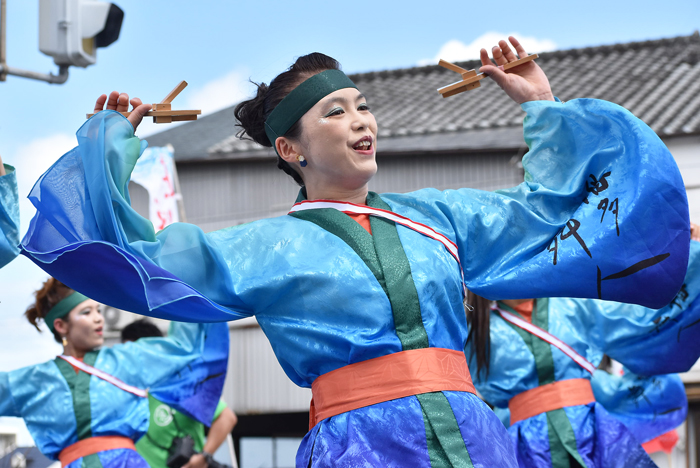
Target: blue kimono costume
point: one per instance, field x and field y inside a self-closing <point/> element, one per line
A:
<point x="61" y="407"/>
<point x="328" y="294"/>
<point x="645" y="406"/>
<point x="628" y="410"/>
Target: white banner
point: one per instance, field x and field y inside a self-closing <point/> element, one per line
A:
<point x="155" y="171"/>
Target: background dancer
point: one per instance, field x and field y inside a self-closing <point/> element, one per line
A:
<point x="557" y="418"/>
<point x="88" y="406"/>
<point x="343" y="301"/>
<point x="166" y="424"/>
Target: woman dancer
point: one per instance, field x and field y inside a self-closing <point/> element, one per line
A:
<point x="88" y="406"/>
<point x="564" y="412"/>
<point x="357" y="310"/>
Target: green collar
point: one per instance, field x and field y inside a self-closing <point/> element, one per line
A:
<point x="371" y="197"/>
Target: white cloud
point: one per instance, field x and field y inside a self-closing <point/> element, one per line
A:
<point x="215" y="95"/>
<point x="221" y="92"/>
<point x="455" y="50"/>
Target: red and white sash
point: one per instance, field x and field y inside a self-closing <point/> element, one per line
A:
<point x="347" y="207"/>
<point x="104" y="376"/>
<point x="548" y="337"/>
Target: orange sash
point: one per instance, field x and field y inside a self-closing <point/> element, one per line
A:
<point x="387" y="378"/>
<point x="91" y="445"/>
<point x="550" y="397"/>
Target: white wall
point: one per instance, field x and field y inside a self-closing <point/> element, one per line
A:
<point x="686" y="151"/>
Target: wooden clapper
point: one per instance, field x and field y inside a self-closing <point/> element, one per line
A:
<point x="470" y="79"/>
<point x="163" y="113"/>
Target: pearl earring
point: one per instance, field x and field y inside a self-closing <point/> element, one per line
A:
<point x="302" y="160"/>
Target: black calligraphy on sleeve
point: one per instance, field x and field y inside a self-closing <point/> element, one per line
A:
<point x="609" y="207"/>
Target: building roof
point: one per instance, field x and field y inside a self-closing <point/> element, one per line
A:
<point x="658" y="81"/>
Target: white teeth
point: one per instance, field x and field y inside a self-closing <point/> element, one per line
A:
<point x="365" y="144"/>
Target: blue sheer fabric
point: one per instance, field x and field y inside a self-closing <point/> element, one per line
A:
<point x="320" y="305"/>
<point x="186" y="370"/>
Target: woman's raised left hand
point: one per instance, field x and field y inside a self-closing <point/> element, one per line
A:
<point x="526" y="82"/>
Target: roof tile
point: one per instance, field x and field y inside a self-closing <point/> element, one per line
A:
<point x="659" y="81"/>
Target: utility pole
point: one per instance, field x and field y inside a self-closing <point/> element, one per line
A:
<point x="70" y="31"/>
<point x="61" y="78"/>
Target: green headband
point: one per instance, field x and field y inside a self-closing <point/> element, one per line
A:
<point x="64" y="306"/>
<point x="301" y="99"/>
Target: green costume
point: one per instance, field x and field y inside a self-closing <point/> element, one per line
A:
<point x="164" y="426"/>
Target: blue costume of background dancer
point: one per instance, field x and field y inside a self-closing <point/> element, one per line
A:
<point x="628" y="410"/>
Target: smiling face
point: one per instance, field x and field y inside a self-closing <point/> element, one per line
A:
<point x="338" y="140"/>
<point x="82" y="327"/>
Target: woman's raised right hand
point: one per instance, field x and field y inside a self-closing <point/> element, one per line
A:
<point x="526" y="82"/>
<point x="120" y="103"/>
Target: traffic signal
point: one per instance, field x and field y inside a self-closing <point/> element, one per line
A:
<point x="71" y="31"/>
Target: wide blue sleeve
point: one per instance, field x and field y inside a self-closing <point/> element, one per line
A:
<point x="185" y="370"/>
<point x="180" y="273"/>
<point x="9" y="216"/>
<point x="84" y="218"/>
<point x="602" y="212"/>
<point x="650" y="341"/>
<point x="7" y="401"/>
<point x="648" y="406"/>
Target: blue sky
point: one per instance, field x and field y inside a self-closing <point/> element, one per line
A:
<point x="218" y="45"/>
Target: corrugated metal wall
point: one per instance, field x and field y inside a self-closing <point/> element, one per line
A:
<point x="686" y="152"/>
<point x="221" y="194"/>
<point x="486" y="172"/>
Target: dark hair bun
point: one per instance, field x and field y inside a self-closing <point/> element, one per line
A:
<point x="251" y="116"/>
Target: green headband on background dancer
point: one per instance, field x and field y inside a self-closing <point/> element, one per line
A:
<point x="301" y="99"/>
<point x="62" y="309"/>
